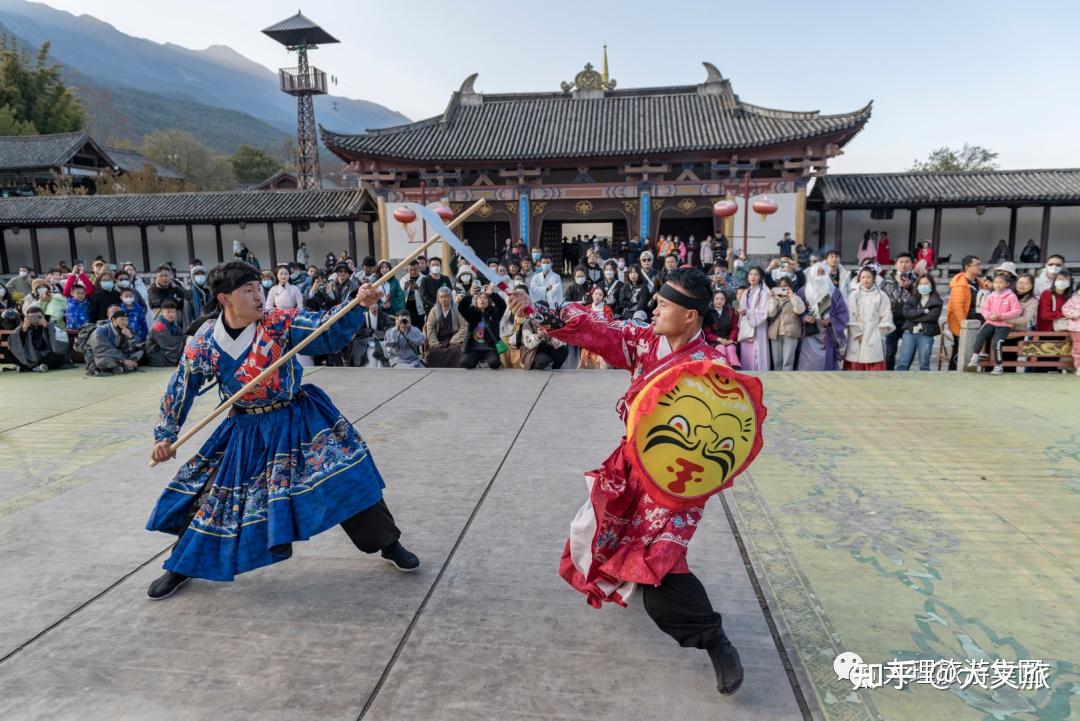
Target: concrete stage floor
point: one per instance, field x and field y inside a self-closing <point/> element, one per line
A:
<point x="916" y="515"/>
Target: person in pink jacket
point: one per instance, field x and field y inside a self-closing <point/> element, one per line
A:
<point x="1071" y="311"/>
<point x="999" y="307"/>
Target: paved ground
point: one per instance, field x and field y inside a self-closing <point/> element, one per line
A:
<point x="930" y="514"/>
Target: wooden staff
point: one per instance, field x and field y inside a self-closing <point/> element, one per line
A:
<point x="286" y="357"/>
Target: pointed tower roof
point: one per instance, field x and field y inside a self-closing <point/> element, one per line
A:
<point x="298" y="30"/>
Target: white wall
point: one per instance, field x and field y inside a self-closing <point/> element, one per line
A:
<point x="963" y="231"/>
<point x="172" y="244"/>
<point x="764" y="236"/>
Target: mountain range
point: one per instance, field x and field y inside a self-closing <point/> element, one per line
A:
<point x="132" y="86"/>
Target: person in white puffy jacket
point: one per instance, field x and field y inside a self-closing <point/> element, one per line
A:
<point x="870" y="319"/>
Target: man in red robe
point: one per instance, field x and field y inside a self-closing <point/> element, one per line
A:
<point x="622" y="536"/>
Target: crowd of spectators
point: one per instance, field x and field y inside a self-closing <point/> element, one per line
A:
<point x="799" y="309"/>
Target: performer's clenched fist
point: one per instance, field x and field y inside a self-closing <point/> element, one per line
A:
<point x="163" y="451"/>
<point x="368" y="295"/>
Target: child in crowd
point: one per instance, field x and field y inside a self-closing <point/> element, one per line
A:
<point x="998" y="308"/>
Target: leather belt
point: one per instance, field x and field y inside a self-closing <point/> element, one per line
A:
<point x="257" y="410"/>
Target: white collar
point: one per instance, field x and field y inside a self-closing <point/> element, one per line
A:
<point x="234" y="347"/>
<point x="663" y="350"/>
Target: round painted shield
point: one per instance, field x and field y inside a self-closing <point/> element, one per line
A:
<point x="692" y="429"/>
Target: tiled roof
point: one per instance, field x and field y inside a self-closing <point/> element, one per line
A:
<point x="635" y="122"/>
<point x="227" y="207"/>
<point x="33" y="152"/>
<point x="298" y="30"/>
<point x="131" y="161"/>
<point x="1061" y="185"/>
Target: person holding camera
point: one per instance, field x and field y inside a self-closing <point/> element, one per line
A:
<point x="404" y="343"/>
<point x="38" y="345"/>
<point x="482" y="309"/>
<point x="898" y="285"/>
<point x="786" y="310"/>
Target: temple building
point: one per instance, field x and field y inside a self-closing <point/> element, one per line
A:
<point x="635" y="162"/>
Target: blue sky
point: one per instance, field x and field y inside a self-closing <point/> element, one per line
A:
<point x="1002" y="75"/>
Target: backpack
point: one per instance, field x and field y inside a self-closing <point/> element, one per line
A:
<point x="82" y="339"/>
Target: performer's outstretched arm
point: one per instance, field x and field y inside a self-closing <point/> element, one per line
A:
<point x="336" y="336"/>
<point x="183" y="388"/>
<point x="615" y="341"/>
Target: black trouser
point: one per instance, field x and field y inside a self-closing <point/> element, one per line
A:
<point x="995" y="335"/>
<point x="892" y="341"/>
<point x="471" y="358"/>
<point x="548" y="358"/>
<point x="372" y="529"/>
<point x="680" y="608"/>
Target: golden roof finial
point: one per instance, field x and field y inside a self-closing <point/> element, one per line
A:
<point x="603" y="70"/>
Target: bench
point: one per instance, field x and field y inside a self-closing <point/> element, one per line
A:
<point x="1036" y="349"/>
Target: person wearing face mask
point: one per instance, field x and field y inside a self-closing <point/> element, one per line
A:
<point x="137" y="283"/>
<point x="613" y="288"/>
<point x="53" y="305"/>
<point x="1052" y="302"/>
<point x="1044" y="281"/>
<point x="197" y="298"/>
<point x="921" y="318"/>
<point x="464" y="283"/>
<point x="19" y="286"/>
<point x="105" y="294"/>
<point x="430" y="284"/>
<point x="129" y="303"/>
<point x="546" y="285"/>
<point x="298" y="276"/>
<point x="267" y="282"/>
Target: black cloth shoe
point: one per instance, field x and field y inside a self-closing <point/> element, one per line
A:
<point x="166" y="585"/>
<point x="401" y="558"/>
<point x="725" y="660"/>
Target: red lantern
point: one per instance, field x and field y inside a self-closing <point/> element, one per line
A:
<point x="404" y="215"/>
<point x="765" y="207"/>
<point x="725" y="208"/>
<point x="445" y="212"/>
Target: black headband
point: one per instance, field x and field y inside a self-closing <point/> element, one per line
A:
<point x="232" y="278"/>
<point x="689" y="302"/>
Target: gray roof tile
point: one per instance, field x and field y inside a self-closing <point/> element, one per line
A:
<point x="33" y="152"/>
<point x="1061" y="185"/>
<point x="639" y="121"/>
<point x="197" y="208"/>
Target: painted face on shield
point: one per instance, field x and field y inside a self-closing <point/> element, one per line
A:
<point x="698" y="435"/>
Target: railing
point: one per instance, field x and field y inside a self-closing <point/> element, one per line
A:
<point x="295" y="82"/>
